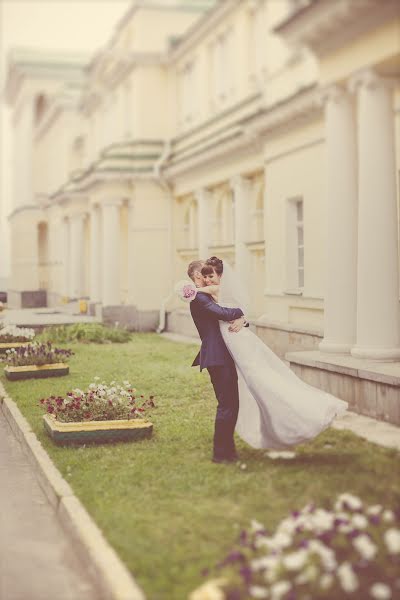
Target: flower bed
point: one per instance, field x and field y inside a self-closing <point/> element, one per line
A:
<point x="14" y="337"/>
<point x="104" y="413"/>
<point x="352" y="551"/>
<point x="10" y="334"/>
<point x="36" y="361"/>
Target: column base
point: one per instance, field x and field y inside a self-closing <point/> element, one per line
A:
<point x="378" y="354"/>
<point x="129" y="317"/>
<point x="27" y="299"/>
<point x="334" y="347"/>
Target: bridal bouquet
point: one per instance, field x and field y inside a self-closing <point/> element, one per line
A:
<point x="100" y="402"/>
<point x="186" y="290"/>
<point x="352" y="551"/>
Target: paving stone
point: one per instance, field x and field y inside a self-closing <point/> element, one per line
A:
<point x="38" y="560"/>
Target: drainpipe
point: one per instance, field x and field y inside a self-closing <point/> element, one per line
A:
<point x="166" y="187"/>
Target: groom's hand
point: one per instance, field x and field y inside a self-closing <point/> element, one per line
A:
<point x="236" y="325"/>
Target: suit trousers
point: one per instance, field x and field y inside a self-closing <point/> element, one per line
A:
<point x="225" y="383"/>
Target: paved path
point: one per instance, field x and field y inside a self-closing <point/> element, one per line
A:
<point x="37" y="559"/>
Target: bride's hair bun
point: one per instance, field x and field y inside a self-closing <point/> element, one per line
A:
<point x="216" y="263"/>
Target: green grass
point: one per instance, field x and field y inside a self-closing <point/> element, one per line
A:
<point x="167" y="510"/>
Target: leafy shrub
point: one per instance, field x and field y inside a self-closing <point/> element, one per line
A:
<point x="100" y="402"/>
<point x="36" y="354"/>
<point x="85" y="333"/>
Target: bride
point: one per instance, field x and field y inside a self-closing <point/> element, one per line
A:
<point x="276" y="408"/>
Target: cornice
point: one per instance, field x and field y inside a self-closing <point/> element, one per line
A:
<point x="248" y="133"/>
<point x="326" y="25"/>
<point x="32" y="64"/>
<point x="202" y="27"/>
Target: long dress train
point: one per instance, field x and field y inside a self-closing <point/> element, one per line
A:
<point x="276" y="408"/>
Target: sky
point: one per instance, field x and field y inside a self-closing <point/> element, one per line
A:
<point x="75" y="25"/>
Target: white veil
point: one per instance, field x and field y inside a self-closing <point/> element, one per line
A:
<point x="232" y="292"/>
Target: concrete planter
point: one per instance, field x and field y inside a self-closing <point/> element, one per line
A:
<point x="11" y="345"/>
<point x="96" y="432"/>
<point x="36" y="372"/>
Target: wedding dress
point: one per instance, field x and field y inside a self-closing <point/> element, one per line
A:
<point x="276" y="408"/>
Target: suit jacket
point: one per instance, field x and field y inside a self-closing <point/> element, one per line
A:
<point x="206" y="315"/>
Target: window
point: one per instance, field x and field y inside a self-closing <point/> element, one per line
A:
<point x="40" y="108"/>
<point x="295" y="245"/>
<point x="222" y="68"/>
<point x="189" y="92"/>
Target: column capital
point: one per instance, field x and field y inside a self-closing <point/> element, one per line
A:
<point x="369" y="79"/>
<point x="202" y="194"/>
<point x="238" y="181"/>
<point x="332" y="93"/>
<point x="117" y="202"/>
<point x="77" y="216"/>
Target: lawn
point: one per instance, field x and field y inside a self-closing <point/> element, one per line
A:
<point x="167" y="510"/>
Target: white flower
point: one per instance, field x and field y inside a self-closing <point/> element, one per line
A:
<point x="322" y="519"/>
<point x="264" y="562"/>
<point x="243" y="466"/>
<point x="279" y="589"/>
<point x="326" y="555"/>
<point x="345" y="528"/>
<point x="257" y="591"/>
<point x="388" y="516"/>
<point x="380" y="591"/>
<point x="295" y="560"/>
<point x="348" y="500"/>
<point x="211" y="590"/>
<point x="366" y="548"/>
<point x="392" y="540"/>
<point x="359" y="521"/>
<point x="256" y="526"/>
<point x="347" y="577"/>
<point x="374" y="510"/>
<point x="309" y="574"/>
<point x="281" y="540"/>
<point x="326" y="581"/>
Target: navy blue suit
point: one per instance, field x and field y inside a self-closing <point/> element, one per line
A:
<point x="214" y="356"/>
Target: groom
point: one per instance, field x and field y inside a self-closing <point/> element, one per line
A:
<point x="214" y="356"/>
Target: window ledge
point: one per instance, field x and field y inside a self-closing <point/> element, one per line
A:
<point x="294" y="292"/>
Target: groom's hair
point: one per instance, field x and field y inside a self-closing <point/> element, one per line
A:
<point x="195" y="265"/>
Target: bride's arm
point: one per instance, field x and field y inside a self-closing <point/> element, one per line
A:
<point x="211" y="290"/>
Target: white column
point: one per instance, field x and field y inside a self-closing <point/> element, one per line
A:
<point x="132" y="266"/>
<point x="241" y="197"/>
<point x="76" y="254"/>
<point x="378" y="320"/>
<point x="95" y="253"/>
<point x="340" y="296"/>
<point x="66" y="256"/>
<point x="23" y="154"/>
<point x="203" y="204"/>
<point x="111" y="247"/>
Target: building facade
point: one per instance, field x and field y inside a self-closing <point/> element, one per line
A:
<point x="263" y="132"/>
